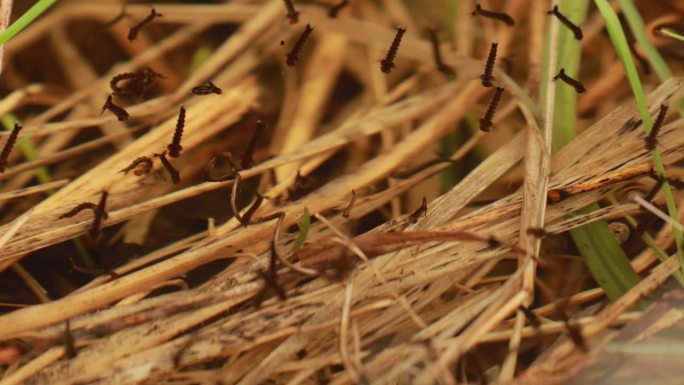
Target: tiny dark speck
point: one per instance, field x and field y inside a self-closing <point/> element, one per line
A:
<point x="631" y="125"/>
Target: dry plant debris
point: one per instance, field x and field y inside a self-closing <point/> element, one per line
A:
<point x="403" y="276"/>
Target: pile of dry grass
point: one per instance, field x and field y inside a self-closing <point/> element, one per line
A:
<point x="378" y="292"/>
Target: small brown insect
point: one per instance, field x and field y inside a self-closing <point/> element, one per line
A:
<point x="135" y="30"/>
<point x="335" y="9"/>
<point x="120" y="113"/>
<point x="248" y="157"/>
<point x="577" y="31"/>
<point x="573" y="330"/>
<point x="130" y="76"/>
<point x="100" y="215"/>
<point x="493" y="15"/>
<point x="652" y="139"/>
<point x="556" y="195"/>
<point x="537" y="232"/>
<point x="437" y="55"/>
<point x="78" y="208"/>
<point x="292" y="13"/>
<point x="347" y="210"/>
<point x="387" y="63"/>
<point x="293" y="56"/>
<point x="420" y="211"/>
<point x="210" y="166"/>
<point x="486" y="121"/>
<point x="136" y="83"/>
<point x="209" y="88"/>
<point x="530" y="315"/>
<point x="175" y="175"/>
<point x="487" y="77"/>
<point x="175" y="147"/>
<point x="11" y="140"/>
<point x="576" y="84"/>
<point x="145" y="164"/>
<point x="69" y="343"/>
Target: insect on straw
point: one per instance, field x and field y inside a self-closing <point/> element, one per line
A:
<point x="347" y="210"/>
<point x="652" y="139"/>
<point x="292" y="13"/>
<point x="248" y="157"/>
<point x="175" y="147"/>
<point x="576" y="84"/>
<point x="486" y="121"/>
<point x="293" y="56"/>
<point x="143" y="161"/>
<point x="335" y="9"/>
<point x="7" y="149"/>
<point x="120" y="113"/>
<point x="577" y="31"/>
<point x="421" y="211"/>
<point x="135" y="30"/>
<point x="437" y="54"/>
<point x="387" y="63"/>
<point x="487" y="77"/>
<point x="209" y="88"/>
<point x="175" y="176"/>
<point x="100" y="215"/>
<point x="493" y="15"/>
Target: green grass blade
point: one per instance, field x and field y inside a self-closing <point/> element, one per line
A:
<point x="636" y="25"/>
<point x="25" y="19"/>
<point x="617" y="37"/>
<point x="303" y="230"/>
<point x="672" y="34"/>
<point x="603" y="256"/>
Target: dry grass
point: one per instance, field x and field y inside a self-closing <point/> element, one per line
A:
<point x="418" y="299"/>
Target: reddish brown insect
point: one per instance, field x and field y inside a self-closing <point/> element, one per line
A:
<point x="537" y="232"/>
<point x="576" y="84"/>
<point x="387" y="63"/>
<point x="120" y="113"/>
<point x="487" y="77"/>
<point x="652" y="139"/>
<point x="420" y="211"/>
<point x="145" y="164"/>
<point x="437" y="55"/>
<point x="493" y="15"/>
<point x="100" y="215"/>
<point x="486" y="121"/>
<point x="175" y="175"/>
<point x="577" y="31"/>
<point x="347" y="210"/>
<point x="293" y="56"/>
<point x="556" y="195"/>
<point x="335" y="9"/>
<point x="248" y="157"/>
<point x="573" y="330"/>
<point x="292" y="13"/>
<point x="78" y="208"/>
<point x="209" y="88"/>
<point x="135" y="30"/>
<point x="11" y="140"/>
<point x="530" y="315"/>
<point x="210" y="166"/>
<point x="175" y="147"/>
